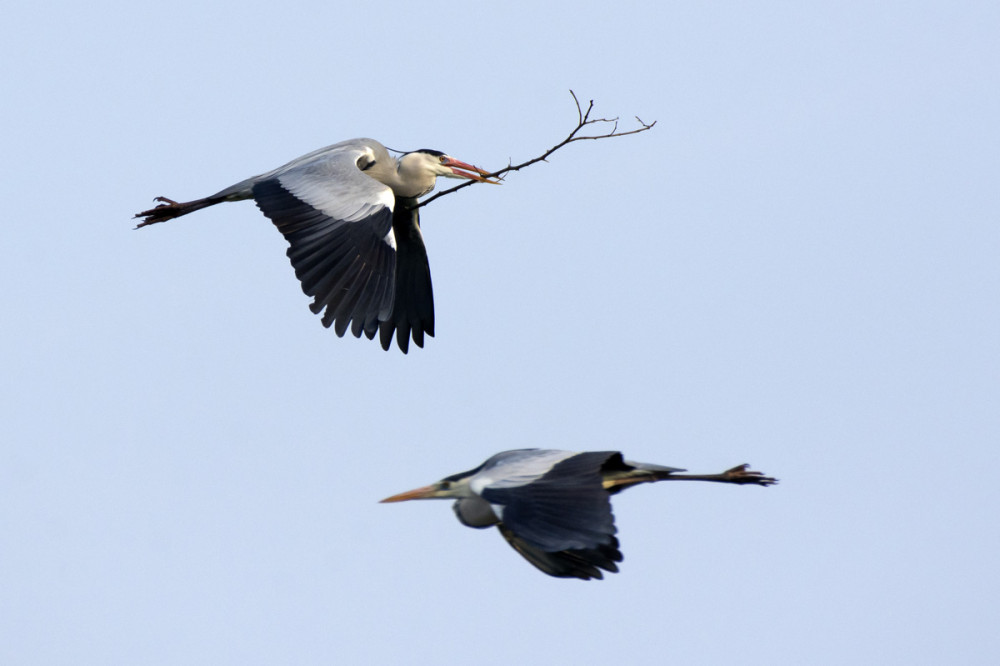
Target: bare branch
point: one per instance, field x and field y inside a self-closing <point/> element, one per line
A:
<point x="583" y="120"/>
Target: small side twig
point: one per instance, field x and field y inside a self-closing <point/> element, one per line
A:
<point x="583" y="120"/>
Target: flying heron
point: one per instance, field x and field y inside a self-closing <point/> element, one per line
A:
<point x="554" y="507"/>
<point x="348" y="213"/>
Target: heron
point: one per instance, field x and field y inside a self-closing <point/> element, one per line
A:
<point x="349" y="213"/>
<point x="554" y="507"/>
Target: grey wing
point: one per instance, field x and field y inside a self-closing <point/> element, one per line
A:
<point x="338" y="223"/>
<point x="413" y="302"/>
<point x="583" y="563"/>
<point x="566" y="508"/>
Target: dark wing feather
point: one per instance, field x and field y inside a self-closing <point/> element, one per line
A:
<point x="566" y="509"/>
<point x="346" y="266"/>
<point x="413" y="305"/>
<point x="583" y="563"/>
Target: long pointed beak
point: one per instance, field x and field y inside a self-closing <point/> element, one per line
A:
<point x="457" y="166"/>
<point x="426" y="492"/>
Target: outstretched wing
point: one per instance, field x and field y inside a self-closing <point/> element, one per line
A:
<point x="338" y="223"/>
<point x="564" y="508"/>
<point x="583" y="563"/>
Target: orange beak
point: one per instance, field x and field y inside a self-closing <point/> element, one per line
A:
<point x="426" y="492"/>
<point x="471" y="172"/>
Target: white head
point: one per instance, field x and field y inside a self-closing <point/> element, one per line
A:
<point x="418" y="171"/>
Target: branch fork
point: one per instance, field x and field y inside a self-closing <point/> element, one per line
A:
<point x="583" y="120"/>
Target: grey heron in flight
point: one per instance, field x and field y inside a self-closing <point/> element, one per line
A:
<point x="348" y="213"/>
<point x="554" y="507"/>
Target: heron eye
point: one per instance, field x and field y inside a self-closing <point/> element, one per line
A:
<point x="442" y="159"/>
<point x="445" y="485"/>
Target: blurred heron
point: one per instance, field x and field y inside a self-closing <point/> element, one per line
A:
<point x="348" y="213"/>
<point x="554" y="507"/>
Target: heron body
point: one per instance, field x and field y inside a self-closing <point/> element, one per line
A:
<point x="348" y="212"/>
<point x="554" y="507"/>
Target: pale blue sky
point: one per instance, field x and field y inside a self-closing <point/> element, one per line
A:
<point x="797" y="268"/>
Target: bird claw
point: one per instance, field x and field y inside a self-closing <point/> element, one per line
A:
<point x="154" y="214"/>
<point x="742" y="474"/>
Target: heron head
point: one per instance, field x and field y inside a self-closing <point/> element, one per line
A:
<point x="439" y="164"/>
<point x="449" y="488"/>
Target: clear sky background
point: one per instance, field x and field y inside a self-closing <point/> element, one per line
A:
<point x="798" y="268"/>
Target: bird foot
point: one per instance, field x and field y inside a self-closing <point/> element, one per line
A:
<point x="167" y="209"/>
<point x="742" y="474"/>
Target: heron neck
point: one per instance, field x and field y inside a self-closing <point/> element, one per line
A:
<point x="411" y="183"/>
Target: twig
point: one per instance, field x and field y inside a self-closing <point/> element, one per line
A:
<point x="583" y="120"/>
